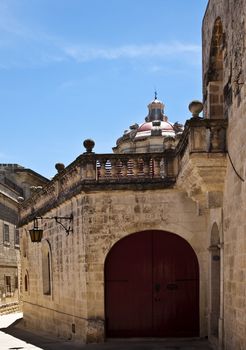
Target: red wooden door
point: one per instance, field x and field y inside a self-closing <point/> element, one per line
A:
<point x="175" y="287"/>
<point x="151" y="287"/>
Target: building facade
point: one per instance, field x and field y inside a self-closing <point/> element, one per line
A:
<point x="146" y="202"/>
<point x="224" y="71"/>
<point x="150" y="240"/>
<point x="15" y="183"/>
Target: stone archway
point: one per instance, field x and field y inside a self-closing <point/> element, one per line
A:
<point x="152" y="287"/>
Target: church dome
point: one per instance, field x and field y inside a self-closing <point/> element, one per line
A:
<point x="152" y="132"/>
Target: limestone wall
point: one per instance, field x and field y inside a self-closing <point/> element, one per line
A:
<point x="75" y="307"/>
<point x="233" y="234"/>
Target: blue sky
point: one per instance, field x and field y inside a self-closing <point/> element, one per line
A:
<point x="77" y="69"/>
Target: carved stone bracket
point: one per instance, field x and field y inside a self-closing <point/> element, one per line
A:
<point x="202" y="161"/>
<point x="202" y="177"/>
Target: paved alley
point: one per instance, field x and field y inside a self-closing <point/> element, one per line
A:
<point x="12" y="337"/>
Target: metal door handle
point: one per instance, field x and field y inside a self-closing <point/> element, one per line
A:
<point x="172" y="286"/>
<point x="157" y="287"/>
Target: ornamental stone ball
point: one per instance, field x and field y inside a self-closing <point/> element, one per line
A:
<point x="89" y="145"/>
<point x="59" y="167"/>
<point x="195" y="108"/>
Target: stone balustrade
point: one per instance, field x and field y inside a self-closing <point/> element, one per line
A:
<point x="128" y="167"/>
<point x="92" y="171"/>
<point x="95" y="171"/>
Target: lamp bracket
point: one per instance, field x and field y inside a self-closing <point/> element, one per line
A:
<point x="59" y="220"/>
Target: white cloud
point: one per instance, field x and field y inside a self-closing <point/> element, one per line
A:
<point x="42" y="48"/>
<point x="82" y="53"/>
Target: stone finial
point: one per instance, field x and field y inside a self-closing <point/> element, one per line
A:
<point x="178" y="128"/>
<point x="195" y="108"/>
<point x="89" y="145"/>
<point x="59" y="167"/>
<point x="134" y="126"/>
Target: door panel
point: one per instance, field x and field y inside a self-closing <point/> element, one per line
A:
<point x="152" y="287"/>
<point x="129" y="287"/>
<point x="175" y="269"/>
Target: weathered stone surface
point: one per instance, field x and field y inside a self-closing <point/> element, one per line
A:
<point x="232" y="333"/>
<point x="107" y="208"/>
<point x="100" y="220"/>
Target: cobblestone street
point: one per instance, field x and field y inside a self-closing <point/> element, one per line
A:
<point x="12" y="337"/>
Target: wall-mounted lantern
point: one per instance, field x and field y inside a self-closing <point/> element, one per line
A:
<point x="36" y="233"/>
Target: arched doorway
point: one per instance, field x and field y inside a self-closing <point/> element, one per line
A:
<point x="152" y="287"/>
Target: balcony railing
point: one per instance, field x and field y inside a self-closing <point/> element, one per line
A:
<point x="129" y="167"/>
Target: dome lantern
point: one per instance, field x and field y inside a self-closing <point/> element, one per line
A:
<point x="156" y="110"/>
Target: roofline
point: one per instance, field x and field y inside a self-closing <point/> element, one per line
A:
<point x="32" y="172"/>
<point x="19" y="168"/>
